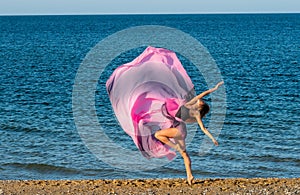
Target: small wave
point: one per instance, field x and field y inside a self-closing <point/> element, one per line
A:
<point x="19" y="128"/>
<point x="271" y="158"/>
<point x="46" y="171"/>
<point x="30" y="130"/>
<point x="43" y="168"/>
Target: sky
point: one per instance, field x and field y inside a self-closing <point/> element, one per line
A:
<point x="46" y="7"/>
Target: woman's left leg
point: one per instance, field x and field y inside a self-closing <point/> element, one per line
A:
<point x="164" y="136"/>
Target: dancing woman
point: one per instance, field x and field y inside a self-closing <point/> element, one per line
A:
<point x="191" y="112"/>
<point x="153" y="97"/>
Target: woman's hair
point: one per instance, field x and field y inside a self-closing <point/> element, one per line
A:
<point x="204" y="109"/>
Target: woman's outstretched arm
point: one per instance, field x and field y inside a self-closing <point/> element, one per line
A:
<point x="205" y="93"/>
<point x="205" y="131"/>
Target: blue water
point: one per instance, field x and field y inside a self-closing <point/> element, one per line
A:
<point x="259" y="59"/>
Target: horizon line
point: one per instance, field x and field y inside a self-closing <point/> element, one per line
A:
<point x="162" y="13"/>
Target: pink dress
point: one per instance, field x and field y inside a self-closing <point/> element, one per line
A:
<point x="146" y="94"/>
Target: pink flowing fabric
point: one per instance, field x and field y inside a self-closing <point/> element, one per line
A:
<point x="146" y="94"/>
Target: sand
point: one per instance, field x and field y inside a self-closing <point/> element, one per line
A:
<point x="152" y="186"/>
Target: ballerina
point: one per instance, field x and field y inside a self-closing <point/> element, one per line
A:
<point x="153" y="97"/>
<point x="190" y="112"/>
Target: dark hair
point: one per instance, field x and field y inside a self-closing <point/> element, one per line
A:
<point x="204" y="109"/>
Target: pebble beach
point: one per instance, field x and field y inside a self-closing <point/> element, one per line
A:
<point x="153" y="186"/>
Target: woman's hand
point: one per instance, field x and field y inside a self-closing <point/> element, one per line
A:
<point x="215" y="141"/>
<point x="219" y="84"/>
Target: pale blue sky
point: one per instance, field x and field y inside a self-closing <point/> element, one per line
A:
<point x="20" y="7"/>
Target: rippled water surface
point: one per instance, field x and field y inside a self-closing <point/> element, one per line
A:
<point x="259" y="59"/>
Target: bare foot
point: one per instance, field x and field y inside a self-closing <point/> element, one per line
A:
<point x="190" y="180"/>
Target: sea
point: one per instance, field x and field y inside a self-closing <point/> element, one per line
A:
<point x="258" y="57"/>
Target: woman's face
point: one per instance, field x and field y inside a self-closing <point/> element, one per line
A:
<point x="202" y="107"/>
<point x="200" y="104"/>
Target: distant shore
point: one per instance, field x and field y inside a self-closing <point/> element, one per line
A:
<point x="152" y="186"/>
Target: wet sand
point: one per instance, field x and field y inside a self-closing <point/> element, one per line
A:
<point x="152" y="186"/>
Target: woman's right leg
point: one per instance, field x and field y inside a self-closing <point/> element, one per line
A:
<point x="179" y="145"/>
<point x="188" y="168"/>
<point x="186" y="160"/>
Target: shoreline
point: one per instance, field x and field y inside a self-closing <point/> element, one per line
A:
<point x="153" y="186"/>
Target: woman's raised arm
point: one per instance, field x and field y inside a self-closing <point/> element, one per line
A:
<point x="205" y="93"/>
